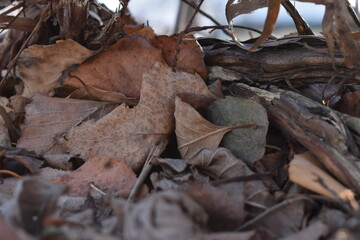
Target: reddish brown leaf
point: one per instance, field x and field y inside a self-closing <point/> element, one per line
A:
<point x="190" y="58"/>
<point x="119" y="68"/>
<point x="349" y="104"/>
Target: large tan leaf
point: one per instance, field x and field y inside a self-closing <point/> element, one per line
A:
<point x="194" y="132"/>
<point x="49" y="118"/>
<point x="41" y="66"/>
<point x="130" y="134"/>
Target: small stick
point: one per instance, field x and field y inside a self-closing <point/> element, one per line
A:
<point x="144" y="173"/>
<point x="208" y="16"/>
<point x="301" y="25"/>
<point x="3" y="171"/>
<point x="196" y="29"/>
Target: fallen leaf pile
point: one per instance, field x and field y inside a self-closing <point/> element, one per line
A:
<point x="109" y="131"/>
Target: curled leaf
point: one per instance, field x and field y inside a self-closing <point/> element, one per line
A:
<point x="271" y="17"/>
<point x="233" y="10"/>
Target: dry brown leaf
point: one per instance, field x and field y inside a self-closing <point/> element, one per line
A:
<point x="190" y="57"/>
<point x="216" y="89"/>
<point x="271" y="17"/>
<point x="163" y="216"/>
<point x="249" y="235"/>
<point x="33" y="200"/>
<point x="7" y="189"/>
<point x="40" y="67"/>
<point x="337" y="25"/>
<point x="8" y="232"/>
<point x="225" y="207"/>
<point x="134" y="29"/>
<point x="328" y="28"/>
<point x="220" y="163"/>
<point x="4" y="136"/>
<point x="59" y="161"/>
<point x="92" y="93"/>
<point x="18" y="23"/>
<point x="15" y="159"/>
<point x="193" y="132"/>
<point x="316" y="230"/>
<point x="119" y="68"/>
<point x="308" y="175"/>
<point x="349" y="104"/>
<point x="113" y="176"/>
<point x="130" y="134"/>
<point x="47" y="119"/>
<point x="18" y="104"/>
<point x="349" y="48"/>
<point x="279" y="220"/>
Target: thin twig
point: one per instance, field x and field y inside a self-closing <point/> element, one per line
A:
<point x="252" y="177"/>
<point x="14" y="60"/>
<point x="353" y="14"/>
<point x="196" y="29"/>
<point x="182" y="34"/>
<point x="271" y="210"/>
<point x="143" y="175"/>
<point x="3" y="171"/>
<point x="15" y="17"/>
<point x="96" y="188"/>
<point x="224" y="129"/>
<point x="208" y="16"/>
<point x="301" y="25"/>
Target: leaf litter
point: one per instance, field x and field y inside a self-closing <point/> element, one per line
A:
<point x="115" y="140"/>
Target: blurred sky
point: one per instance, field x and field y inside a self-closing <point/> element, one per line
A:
<point x="161" y="15"/>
